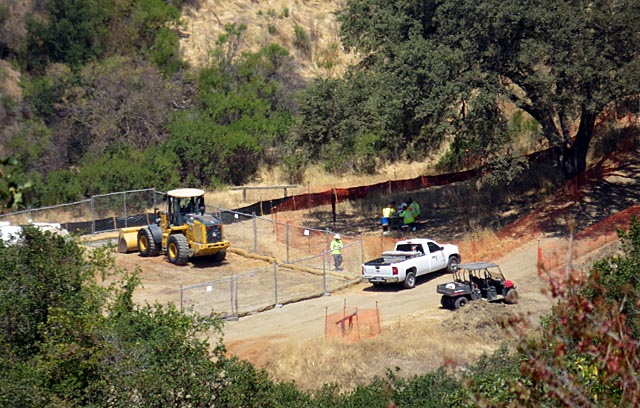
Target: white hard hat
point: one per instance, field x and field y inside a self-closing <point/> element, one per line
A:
<point x="337" y="236"/>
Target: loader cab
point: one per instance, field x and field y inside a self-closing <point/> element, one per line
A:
<point x="184" y="201"/>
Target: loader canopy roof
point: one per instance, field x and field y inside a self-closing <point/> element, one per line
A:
<point x="185" y="192"/>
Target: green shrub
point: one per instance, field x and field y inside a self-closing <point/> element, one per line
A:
<point x="301" y="40"/>
<point x="165" y="53"/>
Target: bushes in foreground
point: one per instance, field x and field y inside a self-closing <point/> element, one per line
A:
<point x="67" y="341"/>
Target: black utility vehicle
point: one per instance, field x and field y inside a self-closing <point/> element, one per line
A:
<point x="477" y="280"/>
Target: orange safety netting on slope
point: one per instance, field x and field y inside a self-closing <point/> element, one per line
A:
<point x="310" y="200"/>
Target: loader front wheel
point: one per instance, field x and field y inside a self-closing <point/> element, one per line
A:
<point x="146" y="245"/>
<point x="219" y="256"/>
<point x="178" y="249"/>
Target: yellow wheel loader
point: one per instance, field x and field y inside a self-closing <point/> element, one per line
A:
<point x="183" y="231"/>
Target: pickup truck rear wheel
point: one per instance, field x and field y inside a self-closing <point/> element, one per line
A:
<point x="460" y="302"/>
<point x="409" y="280"/>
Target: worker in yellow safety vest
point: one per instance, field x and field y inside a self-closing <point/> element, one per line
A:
<point x="387" y="212"/>
<point x="336" y="252"/>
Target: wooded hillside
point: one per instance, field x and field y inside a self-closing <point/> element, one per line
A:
<point x="133" y="94"/>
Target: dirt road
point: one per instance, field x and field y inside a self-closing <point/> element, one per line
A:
<point x="305" y="320"/>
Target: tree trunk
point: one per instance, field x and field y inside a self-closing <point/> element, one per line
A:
<point x="574" y="156"/>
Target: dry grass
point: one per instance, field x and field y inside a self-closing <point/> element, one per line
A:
<point x="414" y="346"/>
<point x="268" y="21"/>
<point x="316" y="180"/>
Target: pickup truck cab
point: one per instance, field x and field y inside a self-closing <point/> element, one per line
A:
<point x="411" y="258"/>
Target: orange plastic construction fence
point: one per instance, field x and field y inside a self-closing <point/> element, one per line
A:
<point x="310" y="200"/>
<point x="353" y="324"/>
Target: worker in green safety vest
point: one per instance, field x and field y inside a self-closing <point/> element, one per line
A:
<point x="408" y="218"/>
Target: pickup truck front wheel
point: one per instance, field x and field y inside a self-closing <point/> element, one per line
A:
<point x="409" y="281"/>
<point x="452" y="265"/>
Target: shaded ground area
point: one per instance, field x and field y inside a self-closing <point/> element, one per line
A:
<point x="540" y="202"/>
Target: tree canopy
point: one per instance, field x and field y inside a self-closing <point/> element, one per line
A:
<point x="105" y="78"/>
<point x="563" y="63"/>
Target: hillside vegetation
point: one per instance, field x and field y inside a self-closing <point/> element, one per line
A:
<point x="104" y="95"/>
<point x="68" y="341"/>
<point x="133" y="94"/>
<point x="309" y="29"/>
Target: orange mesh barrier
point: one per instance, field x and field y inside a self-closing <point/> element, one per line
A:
<point x="553" y="260"/>
<point x="353" y="324"/>
<point x="310" y="200"/>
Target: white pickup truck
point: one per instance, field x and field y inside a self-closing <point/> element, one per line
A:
<point x="410" y="259"/>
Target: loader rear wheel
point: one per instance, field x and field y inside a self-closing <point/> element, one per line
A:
<point x="178" y="249"/>
<point x="146" y="245"/>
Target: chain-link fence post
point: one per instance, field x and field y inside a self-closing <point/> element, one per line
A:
<point x="124" y="203"/>
<point x="275" y="282"/>
<point x="93" y="216"/>
<point x="231" y="301"/>
<point x="286" y="237"/>
<point x="328" y="243"/>
<point x="255" y="232"/>
<point x="324" y="275"/>
<point x="235" y="311"/>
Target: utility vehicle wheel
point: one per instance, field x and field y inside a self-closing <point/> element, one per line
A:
<point x="452" y="265"/>
<point x="445" y="302"/>
<point x="409" y="281"/>
<point x="511" y="298"/>
<point x="146" y="245"/>
<point x="460" y="302"/>
<point x="219" y="256"/>
<point x="178" y="249"/>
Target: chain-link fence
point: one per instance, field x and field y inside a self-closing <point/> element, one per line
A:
<point x="100" y="213"/>
<point x="287" y="242"/>
<point x="261" y="289"/>
<point x="302" y="263"/>
<point x="303" y="267"/>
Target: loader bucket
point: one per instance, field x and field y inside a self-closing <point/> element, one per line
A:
<point x="128" y="239"/>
